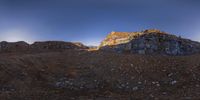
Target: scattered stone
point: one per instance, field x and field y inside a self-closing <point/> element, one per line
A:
<point x="169" y="75"/>
<point x="139" y="82"/>
<point x="153" y="82"/>
<point x="157" y="84"/>
<point x="173" y="82"/>
<point x="164" y="93"/>
<point x="135" y="88"/>
<point x="131" y="65"/>
<point x="6" y="88"/>
<point x="151" y="95"/>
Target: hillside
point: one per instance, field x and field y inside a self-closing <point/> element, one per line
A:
<point x="43" y="46"/>
<point x="98" y="75"/>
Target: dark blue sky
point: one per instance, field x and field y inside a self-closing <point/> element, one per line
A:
<point x="89" y="21"/>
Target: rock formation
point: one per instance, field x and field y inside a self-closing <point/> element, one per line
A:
<point x="115" y="38"/>
<point x="149" y="42"/>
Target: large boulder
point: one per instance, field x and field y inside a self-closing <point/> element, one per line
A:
<point x="152" y="42"/>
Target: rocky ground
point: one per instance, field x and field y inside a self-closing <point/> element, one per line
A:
<point x="97" y="75"/>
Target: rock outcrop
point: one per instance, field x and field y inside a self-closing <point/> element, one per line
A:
<point x="115" y="38"/>
<point x="149" y="42"/>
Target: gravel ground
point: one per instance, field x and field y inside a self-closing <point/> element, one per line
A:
<point x="97" y="75"/>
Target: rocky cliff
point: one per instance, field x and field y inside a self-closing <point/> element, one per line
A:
<point x="149" y="42"/>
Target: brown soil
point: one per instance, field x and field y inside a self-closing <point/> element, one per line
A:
<point x="97" y="75"/>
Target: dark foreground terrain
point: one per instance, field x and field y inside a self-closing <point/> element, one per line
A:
<point x="96" y="75"/>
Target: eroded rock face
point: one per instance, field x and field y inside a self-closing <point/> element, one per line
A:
<point x="153" y="42"/>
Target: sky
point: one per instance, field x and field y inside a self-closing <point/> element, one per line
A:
<point x="89" y="21"/>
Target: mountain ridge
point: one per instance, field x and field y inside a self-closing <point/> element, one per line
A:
<point x="22" y="46"/>
<point x="150" y="41"/>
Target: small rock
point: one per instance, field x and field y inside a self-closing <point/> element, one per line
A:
<point x="158" y="85"/>
<point x="170" y="74"/>
<point x="164" y="93"/>
<point x="135" y="88"/>
<point x="153" y="82"/>
<point x="139" y="82"/>
<point x="112" y="69"/>
<point x="173" y="82"/>
<point x="131" y="65"/>
<point x="151" y="95"/>
<point x="164" y="70"/>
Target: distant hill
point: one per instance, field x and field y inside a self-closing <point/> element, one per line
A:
<point x="22" y="46"/>
<point x="150" y="41"/>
